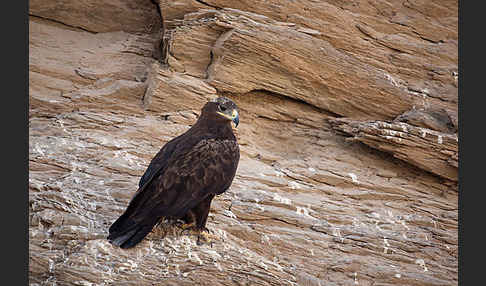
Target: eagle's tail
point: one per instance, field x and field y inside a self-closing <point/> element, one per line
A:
<point x="125" y="233"/>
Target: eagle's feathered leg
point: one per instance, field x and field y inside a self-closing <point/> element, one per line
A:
<point x="196" y="219"/>
<point x="201" y="211"/>
<point x="190" y="221"/>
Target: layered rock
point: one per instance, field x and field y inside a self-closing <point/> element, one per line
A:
<point x="427" y="149"/>
<point x="318" y="84"/>
<point x="100" y="16"/>
<point x="384" y="54"/>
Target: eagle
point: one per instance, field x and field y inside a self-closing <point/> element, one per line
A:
<point x="184" y="176"/>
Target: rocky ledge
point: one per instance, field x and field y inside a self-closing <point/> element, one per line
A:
<point x="348" y="137"/>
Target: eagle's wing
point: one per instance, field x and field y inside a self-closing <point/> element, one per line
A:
<point x="160" y="160"/>
<point x="189" y="175"/>
<point x="209" y="167"/>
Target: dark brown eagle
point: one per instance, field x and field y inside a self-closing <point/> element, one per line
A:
<point x="184" y="176"/>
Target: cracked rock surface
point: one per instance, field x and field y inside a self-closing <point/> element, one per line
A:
<point x="348" y="137"/>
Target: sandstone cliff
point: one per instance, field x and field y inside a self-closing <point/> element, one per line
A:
<point x="348" y="136"/>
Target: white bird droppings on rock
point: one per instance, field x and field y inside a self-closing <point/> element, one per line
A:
<point x="229" y="214"/>
<point x="354" y="178"/>
<point x="421" y="262"/>
<point x="281" y="199"/>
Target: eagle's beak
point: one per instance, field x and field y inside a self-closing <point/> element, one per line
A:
<point x="235" y="117"/>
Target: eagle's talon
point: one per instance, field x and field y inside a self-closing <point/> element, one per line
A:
<point x="204" y="238"/>
<point x="207" y="230"/>
<point x="200" y="242"/>
<point x="186" y="226"/>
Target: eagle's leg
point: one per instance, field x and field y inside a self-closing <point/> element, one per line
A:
<point x="201" y="212"/>
<point x="196" y="219"/>
<point x="190" y="222"/>
<point x="190" y="219"/>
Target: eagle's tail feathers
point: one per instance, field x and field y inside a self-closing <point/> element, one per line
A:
<point x="131" y="236"/>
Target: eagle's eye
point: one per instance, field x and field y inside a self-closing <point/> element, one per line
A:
<point x="222" y="108"/>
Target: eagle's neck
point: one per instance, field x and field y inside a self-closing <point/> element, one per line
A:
<point x="220" y="129"/>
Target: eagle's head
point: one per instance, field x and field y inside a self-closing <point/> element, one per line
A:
<point x="222" y="108"/>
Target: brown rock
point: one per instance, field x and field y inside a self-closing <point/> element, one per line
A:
<point x="307" y="206"/>
<point x="100" y="16"/>
<point x="353" y="48"/>
<point x="427" y="149"/>
<point x="439" y="120"/>
<point x="256" y="53"/>
<point x="163" y="85"/>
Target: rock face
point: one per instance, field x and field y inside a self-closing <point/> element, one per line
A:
<point x="348" y="137"/>
<point x="428" y="149"/>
